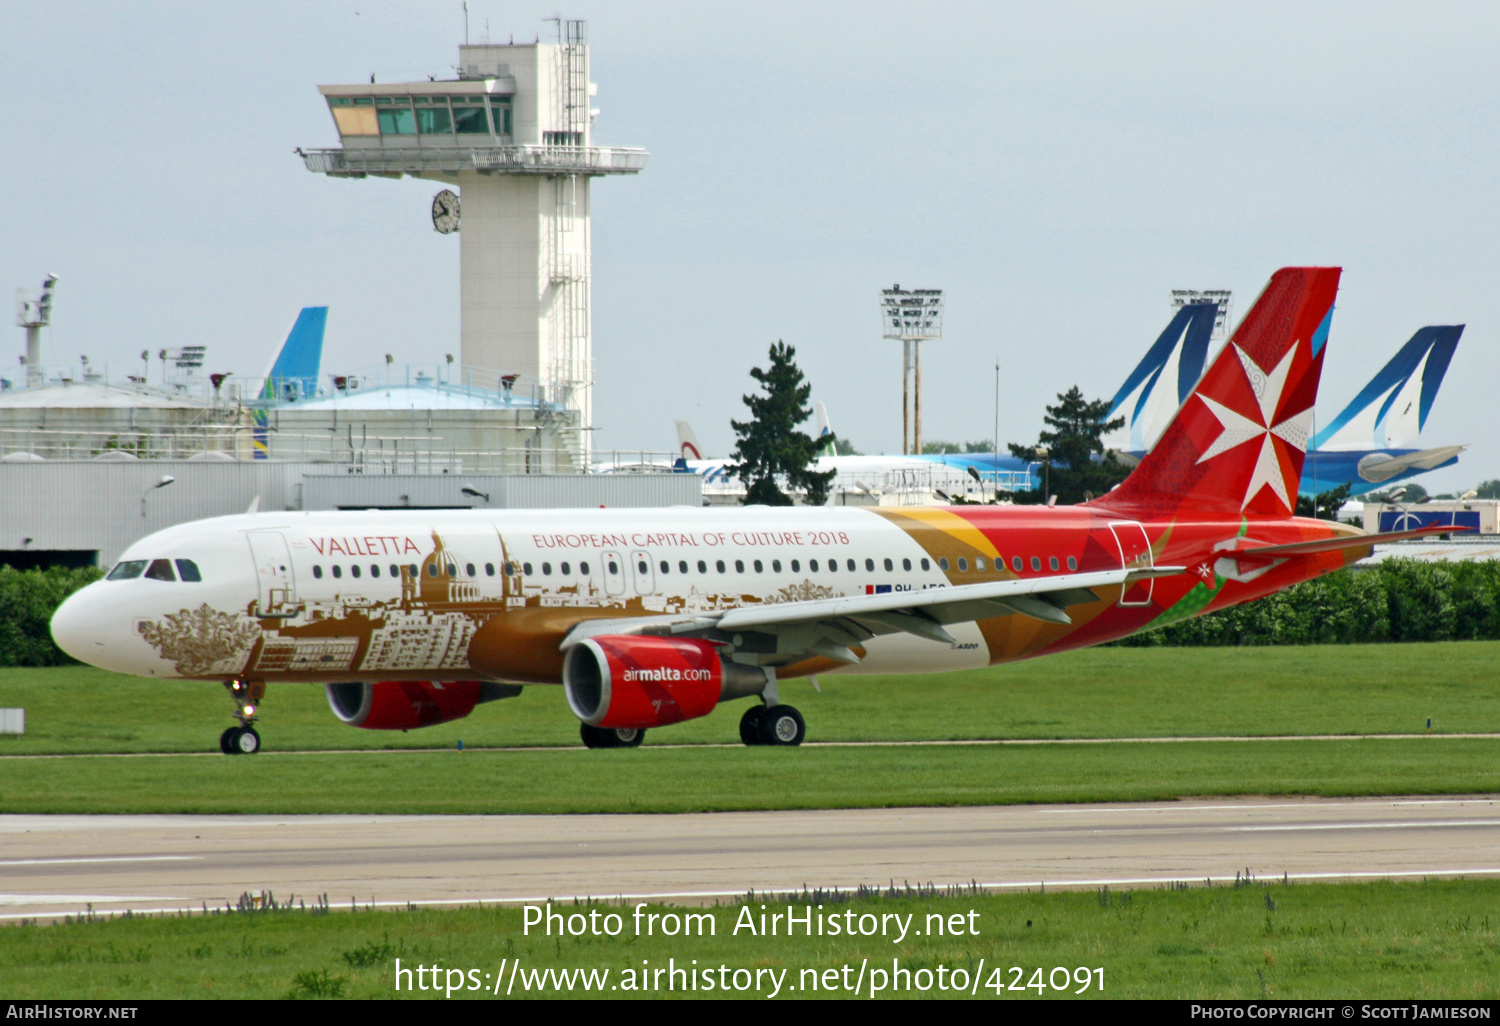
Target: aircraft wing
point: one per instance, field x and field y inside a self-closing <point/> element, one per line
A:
<point x="832" y="626"/>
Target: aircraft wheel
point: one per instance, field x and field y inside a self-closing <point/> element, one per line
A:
<point x="628" y="737"/>
<point x="598" y="737"/>
<point x="750" y="725"/>
<point x="227" y="740"/>
<point x="782" y="725"/>
<point x="247" y="741"/>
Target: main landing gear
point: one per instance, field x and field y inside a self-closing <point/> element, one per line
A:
<point x="772" y="725"/>
<point x="243" y="740"/>
<point x="611" y="737"/>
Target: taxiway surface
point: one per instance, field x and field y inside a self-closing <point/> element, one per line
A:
<point x="56" y="865"/>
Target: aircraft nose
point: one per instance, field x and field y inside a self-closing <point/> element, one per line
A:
<point x="76" y="626"/>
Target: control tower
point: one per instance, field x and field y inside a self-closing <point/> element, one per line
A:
<point x="513" y="134"/>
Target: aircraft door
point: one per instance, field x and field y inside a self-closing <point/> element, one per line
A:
<point x="1135" y="552"/>
<point x="645" y="578"/>
<point x="273" y="572"/>
<point x="614" y="573"/>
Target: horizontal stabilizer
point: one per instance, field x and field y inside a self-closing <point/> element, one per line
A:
<point x="1379" y="467"/>
<point x="1348" y="541"/>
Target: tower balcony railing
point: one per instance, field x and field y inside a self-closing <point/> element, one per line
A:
<point x="519" y="159"/>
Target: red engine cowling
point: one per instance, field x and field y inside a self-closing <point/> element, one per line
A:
<point x="402" y="705"/>
<point x="640" y="682"/>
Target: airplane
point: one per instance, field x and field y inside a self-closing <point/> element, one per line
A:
<point x="647" y="618"/>
<point x="944" y="474"/>
<point x="1370" y="444"/>
<point x="293" y="374"/>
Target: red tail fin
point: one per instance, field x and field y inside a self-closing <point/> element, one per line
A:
<point x="1238" y="441"/>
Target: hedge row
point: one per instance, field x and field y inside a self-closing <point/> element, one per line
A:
<point x="1397" y="600"/>
<point x="27" y="600"/>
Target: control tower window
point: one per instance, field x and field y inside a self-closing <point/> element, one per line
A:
<point x="501" y="111"/>
<point x="470" y="120"/>
<point x="354" y="115"/>
<point x="562" y="138"/>
<point x="434" y="120"/>
<point x="395" y="120"/>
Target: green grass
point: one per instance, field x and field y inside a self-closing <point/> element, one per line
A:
<point x="696" y="779"/>
<point x="1119" y="692"/>
<point x="1433" y="939"/>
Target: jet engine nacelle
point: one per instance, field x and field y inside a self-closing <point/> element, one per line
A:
<point x="621" y="681"/>
<point x="404" y="705"/>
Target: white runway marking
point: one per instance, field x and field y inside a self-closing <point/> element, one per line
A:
<point x="104" y="858"/>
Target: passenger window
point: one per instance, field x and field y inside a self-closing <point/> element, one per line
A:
<point x="1036" y="563"/>
<point x="510" y="569"/>
<point x="354" y="569"/>
<point x="469" y="569"/>
<point x="666" y="567"/>
<point x="526" y="568"/>
<point x="776" y="566"/>
<point x="614" y="567"/>
<point x="1052" y="562"/>
<point x="833" y="566"/>
<point x="188" y="571"/>
<point x="567" y="570"/>
<point x="759" y="567"/>
<point x="431" y="570"/>
<point x="411" y="568"/>
<point x="160" y="570"/>
<point x="812" y="564"/>
<point x="682" y="566"/>
<point x="719" y="564"/>
<point x="317" y="571"/>
<point x="850" y="564"/>
<point x="374" y="570"/>
<point x="1015" y="562"/>
<point x="926" y="565"/>
<point x="702" y="567"/>
<point x="489" y="569"/>
<point x="869" y="566"/>
<point x="963" y="564"/>
<point x="127" y="570"/>
<point x="906" y="564"/>
<point x="889" y="565"/>
<point x="641" y="567"/>
<point x="395" y="570"/>
<point x="338" y="571"/>
<point x="943" y="563"/>
<point x="797" y="567"/>
<point x="979" y="563"/>
<point x="1072" y="563"/>
<point x="583" y="568"/>
<point x="739" y="566"/>
<point x="452" y="570"/>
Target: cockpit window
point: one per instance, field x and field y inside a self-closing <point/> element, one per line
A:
<point x="188" y="571"/>
<point x="126" y="570"/>
<point x="160" y="570"/>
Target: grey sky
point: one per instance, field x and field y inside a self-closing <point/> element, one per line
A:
<point x="1057" y="168"/>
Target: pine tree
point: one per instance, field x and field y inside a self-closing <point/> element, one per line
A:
<point x="771" y="449"/>
<point x="1071" y="472"/>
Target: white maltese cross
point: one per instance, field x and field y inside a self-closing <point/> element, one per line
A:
<point x="1239" y="429"/>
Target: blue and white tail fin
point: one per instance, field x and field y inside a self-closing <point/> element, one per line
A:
<point x="1163" y="380"/>
<point x="826" y="446"/>
<point x="1391" y="411"/>
<point x="293" y="374"/>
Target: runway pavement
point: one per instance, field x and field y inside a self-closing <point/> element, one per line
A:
<point x="56" y="865"/>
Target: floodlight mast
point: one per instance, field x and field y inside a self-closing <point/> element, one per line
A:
<point x="913" y="316"/>
<point x="34" y="312"/>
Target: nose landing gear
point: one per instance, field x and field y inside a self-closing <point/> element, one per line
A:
<point x="243" y="740"/>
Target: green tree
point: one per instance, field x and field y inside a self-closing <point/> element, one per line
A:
<point x="1324" y="505"/>
<point x="1489" y="489"/>
<point x="1070" y="470"/>
<point x="771" y="450"/>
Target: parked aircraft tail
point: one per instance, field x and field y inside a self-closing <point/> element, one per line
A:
<point x="293" y="374"/>
<point x="1237" y="444"/>
<point x="1391" y="411"/>
<point x="826" y="446"/>
<point x="1163" y="380"/>
<point x="687" y="442"/>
